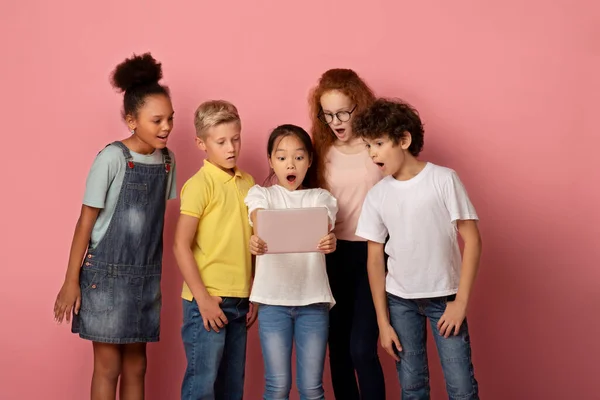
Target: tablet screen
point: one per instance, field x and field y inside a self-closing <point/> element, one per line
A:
<point x="292" y="230"/>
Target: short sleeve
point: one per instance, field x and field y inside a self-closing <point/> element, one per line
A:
<point x="370" y="224"/>
<point x="102" y="174"/>
<point x="457" y="201"/>
<point x="195" y="196"/>
<point x="326" y="199"/>
<point x="172" y="194"/>
<point x="255" y="199"/>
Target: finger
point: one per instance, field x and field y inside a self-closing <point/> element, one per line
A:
<point x="456" y="330"/>
<point x="223" y="319"/>
<point x="214" y="326"/>
<point x="397" y="343"/>
<point x="61" y="313"/>
<point x="441" y="322"/>
<point x="77" y="305"/>
<point x="219" y="299"/>
<point x="206" y="324"/>
<point x="68" y="313"/>
<point x="392" y="353"/>
<point x="449" y="329"/>
<point x="444" y="328"/>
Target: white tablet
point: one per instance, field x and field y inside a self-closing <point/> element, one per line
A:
<point x="292" y="230"/>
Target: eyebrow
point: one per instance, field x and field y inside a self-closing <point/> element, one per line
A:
<point x="298" y="149"/>
<point x="341" y="109"/>
<point x="160" y="115"/>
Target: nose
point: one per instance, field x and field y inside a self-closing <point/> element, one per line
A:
<point x="372" y="152"/>
<point x="336" y="121"/>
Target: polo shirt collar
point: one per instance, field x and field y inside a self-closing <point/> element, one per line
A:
<point x="219" y="173"/>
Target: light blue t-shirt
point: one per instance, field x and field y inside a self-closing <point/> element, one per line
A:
<point x="105" y="179"/>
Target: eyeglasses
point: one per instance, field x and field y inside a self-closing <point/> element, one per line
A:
<point x="342" y="116"/>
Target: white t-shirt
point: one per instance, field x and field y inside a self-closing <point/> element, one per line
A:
<point x="420" y="216"/>
<point x="291" y="279"/>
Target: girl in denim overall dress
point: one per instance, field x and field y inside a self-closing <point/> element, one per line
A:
<point x="114" y="294"/>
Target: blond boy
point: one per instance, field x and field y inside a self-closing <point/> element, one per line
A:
<point x="211" y="248"/>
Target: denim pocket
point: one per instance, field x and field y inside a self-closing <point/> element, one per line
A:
<point x="96" y="291"/>
<point x="136" y="194"/>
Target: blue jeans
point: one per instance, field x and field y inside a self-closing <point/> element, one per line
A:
<point x="279" y="327"/>
<point x="408" y="318"/>
<point x="215" y="361"/>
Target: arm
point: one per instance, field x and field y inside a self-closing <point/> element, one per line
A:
<point x="212" y="315"/>
<point x="456" y="310"/>
<point x="376" y="271"/>
<point x="69" y="297"/>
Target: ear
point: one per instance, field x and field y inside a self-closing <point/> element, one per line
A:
<point x="200" y="143"/>
<point x="406" y="140"/>
<point x="131" y="122"/>
<point x="310" y="160"/>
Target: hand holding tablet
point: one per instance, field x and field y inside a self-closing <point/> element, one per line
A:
<point x="302" y="230"/>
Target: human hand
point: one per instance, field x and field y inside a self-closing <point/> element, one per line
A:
<point x="257" y="246"/>
<point x="328" y="244"/>
<point x="212" y="314"/>
<point x="390" y="342"/>
<point x="452" y="318"/>
<point x="67" y="300"/>
<point x="251" y="317"/>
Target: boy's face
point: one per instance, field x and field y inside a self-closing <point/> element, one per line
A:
<point x="222" y="145"/>
<point x="389" y="157"/>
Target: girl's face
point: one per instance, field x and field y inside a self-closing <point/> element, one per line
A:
<point x="154" y="121"/>
<point x="290" y="162"/>
<point x="337" y="113"/>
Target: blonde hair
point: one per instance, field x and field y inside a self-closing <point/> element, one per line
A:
<point x="212" y="113"/>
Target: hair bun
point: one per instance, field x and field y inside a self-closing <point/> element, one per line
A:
<point x="136" y="71"/>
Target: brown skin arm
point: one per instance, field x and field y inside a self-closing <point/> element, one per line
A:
<point x="69" y="296"/>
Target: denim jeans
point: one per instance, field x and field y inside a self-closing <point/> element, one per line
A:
<point x="215" y="361"/>
<point x="279" y="327"/>
<point x="408" y="318"/>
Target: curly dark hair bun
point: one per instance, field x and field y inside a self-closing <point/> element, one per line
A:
<point x="138" y="78"/>
<point x="136" y="71"/>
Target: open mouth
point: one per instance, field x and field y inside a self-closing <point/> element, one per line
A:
<point x="163" y="137"/>
<point x="379" y="164"/>
<point x="230" y="158"/>
<point x="291" y="178"/>
<point x="340" y="131"/>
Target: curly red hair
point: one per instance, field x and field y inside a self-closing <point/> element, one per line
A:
<point x="350" y="84"/>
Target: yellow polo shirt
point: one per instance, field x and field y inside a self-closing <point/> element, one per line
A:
<point x="223" y="234"/>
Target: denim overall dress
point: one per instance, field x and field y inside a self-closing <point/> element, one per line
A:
<point x="120" y="278"/>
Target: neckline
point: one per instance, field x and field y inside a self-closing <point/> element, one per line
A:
<point x="415" y="179"/>
<point x="338" y="151"/>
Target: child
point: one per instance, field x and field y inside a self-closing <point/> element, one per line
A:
<point x="421" y="206"/>
<point x="115" y="296"/>
<point x="344" y="168"/>
<point x="211" y="248"/>
<point x="292" y="289"/>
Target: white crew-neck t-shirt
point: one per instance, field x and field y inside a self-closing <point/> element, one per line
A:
<point x="420" y="216"/>
<point x="291" y="279"/>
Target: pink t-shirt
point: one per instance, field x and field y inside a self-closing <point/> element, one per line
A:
<point x="349" y="177"/>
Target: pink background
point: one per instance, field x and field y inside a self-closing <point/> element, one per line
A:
<point x="507" y="90"/>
